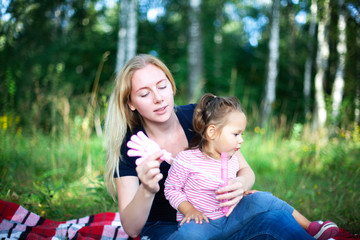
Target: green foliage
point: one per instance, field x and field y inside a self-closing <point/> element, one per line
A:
<point x="62" y="178"/>
<point x="50" y="52"/>
<point x="52" y="175"/>
<point x="318" y="178"/>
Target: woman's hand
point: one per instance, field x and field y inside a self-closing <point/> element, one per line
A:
<point x="149" y="172"/>
<point x="234" y="192"/>
<point x="192" y="213"/>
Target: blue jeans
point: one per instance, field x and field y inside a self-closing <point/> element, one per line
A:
<point x="257" y="216"/>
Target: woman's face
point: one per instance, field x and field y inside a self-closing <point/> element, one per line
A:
<point x="151" y="94"/>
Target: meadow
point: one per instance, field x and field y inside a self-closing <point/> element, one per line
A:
<point x="61" y="177"/>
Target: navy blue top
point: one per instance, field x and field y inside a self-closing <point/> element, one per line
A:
<point x="161" y="210"/>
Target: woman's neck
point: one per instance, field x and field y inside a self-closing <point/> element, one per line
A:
<point x="168" y="135"/>
<point x="158" y="130"/>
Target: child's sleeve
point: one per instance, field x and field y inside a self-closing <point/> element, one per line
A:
<point x="175" y="182"/>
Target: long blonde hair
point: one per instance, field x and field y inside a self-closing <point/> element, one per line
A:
<point x="120" y="117"/>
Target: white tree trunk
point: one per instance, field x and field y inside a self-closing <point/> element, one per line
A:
<point x="322" y="57"/>
<point x="272" y="68"/>
<point x="357" y="96"/>
<point x="338" y="87"/>
<point x="127" y="35"/>
<point x="218" y="39"/>
<point x="309" y="58"/>
<point x="195" y="52"/>
<point x="132" y="30"/>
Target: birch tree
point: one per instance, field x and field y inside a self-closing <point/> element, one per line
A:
<point x="218" y="39"/>
<point x="322" y="57"/>
<point x="195" y="52"/>
<point x="338" y="87"/>
<point x="272" y="67"/>
<point x="127" y="35"/>
<point x="357" y="94"/>
<point x="309" y="58"/>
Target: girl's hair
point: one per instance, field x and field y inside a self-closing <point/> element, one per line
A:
<point x="119" y="116"/>
<point x="211" y="110"/>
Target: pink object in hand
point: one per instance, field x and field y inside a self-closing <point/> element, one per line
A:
<point x="224" y="176"/>
<point x="141" y="146"/>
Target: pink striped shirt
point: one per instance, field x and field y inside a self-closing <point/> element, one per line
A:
<point x="191" y="184"/>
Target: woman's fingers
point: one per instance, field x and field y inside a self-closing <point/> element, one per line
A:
<point x="149" y="172"/>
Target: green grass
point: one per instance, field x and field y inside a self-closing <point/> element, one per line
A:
<point x="57" y="178"/>
<point x="321" y="180"/>
<point x="61" y="178"/>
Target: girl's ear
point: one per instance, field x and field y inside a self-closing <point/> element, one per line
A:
<point x="211" y="131"/>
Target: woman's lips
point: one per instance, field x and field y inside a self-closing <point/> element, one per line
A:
<point x="160" y="110"/>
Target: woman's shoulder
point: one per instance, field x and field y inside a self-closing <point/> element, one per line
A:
<point x="185" y="114"/>
<point x="188" y="108"/>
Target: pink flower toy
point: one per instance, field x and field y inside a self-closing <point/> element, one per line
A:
<point x="141" y="146"/>
<point x="224" y="176"/>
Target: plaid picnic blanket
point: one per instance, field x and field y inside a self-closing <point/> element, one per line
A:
<point x="18" y="223"/>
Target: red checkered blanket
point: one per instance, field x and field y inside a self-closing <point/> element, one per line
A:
<point x="18" y="223"/>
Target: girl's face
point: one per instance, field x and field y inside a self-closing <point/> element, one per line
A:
<point x="229" y="138"/>
<point x="151" y="94"/>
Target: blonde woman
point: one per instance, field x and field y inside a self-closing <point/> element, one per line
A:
<point x="143" y="99"/>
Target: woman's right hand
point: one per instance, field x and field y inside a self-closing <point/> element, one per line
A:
<point x="149" y="172"/>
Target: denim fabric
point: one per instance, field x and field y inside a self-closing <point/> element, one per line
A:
<point x="272" y="225"/>
<point x="257" y="216"/>
<point x="159" y="230"/>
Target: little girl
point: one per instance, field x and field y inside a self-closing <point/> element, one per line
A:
<point x="219" y="123"/>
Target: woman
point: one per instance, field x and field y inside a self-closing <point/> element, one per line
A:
<point x="143" y="99"/>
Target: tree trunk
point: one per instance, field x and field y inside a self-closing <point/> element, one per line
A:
<point x="195" y="52"/>
<point x="218" y="39"/>
<point x="127" y="33"/>
<point x="322" y="57"/>
<point x="357" y="94"/>
<point x="338" y="87"/>
<point x="309" y="59"/>
<point x="292" y="51"/>
<point x="272" y="68"/>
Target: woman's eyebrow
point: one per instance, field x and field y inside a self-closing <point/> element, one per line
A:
<point x="161" y="80"/>
<point x="146" y="87"/>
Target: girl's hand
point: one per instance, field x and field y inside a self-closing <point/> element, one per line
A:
<point x="194" y="214"/>
<point x="234" y="192"/>
<point x="149" y="172"/>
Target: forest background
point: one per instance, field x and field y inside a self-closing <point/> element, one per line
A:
<point x="294" y="65"/>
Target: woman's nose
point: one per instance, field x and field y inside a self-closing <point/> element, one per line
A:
<point x="157" y="97"/>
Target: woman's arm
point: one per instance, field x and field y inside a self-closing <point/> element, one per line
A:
<point x="245" y="174"/>
<point x="236" y="187"/>
<point x="135" y="200"/>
